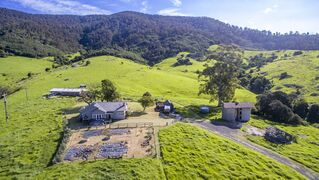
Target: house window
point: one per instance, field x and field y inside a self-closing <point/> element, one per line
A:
<point x="99" y="116"/>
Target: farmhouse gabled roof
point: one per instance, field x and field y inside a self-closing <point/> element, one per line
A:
<point x="105" y="107"/>
<point x="237" y="105"/>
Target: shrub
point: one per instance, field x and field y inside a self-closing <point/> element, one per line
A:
<point x="87" y="63"/>
<point x="283" y="75"/>
<point x="313" y="115"/>
<point x="278" y="107"/>
<point x="259" y="85"/>
<point x="3" y="90"/>
<point x="181" y="62"/>
<point x="297" y="53"/>
<point x="300" y="107"/>
<point x="47" y="69"/>
<point x="3" y="54"/>
<point x="280" y="112"/>
<point x="296" y="119"/>
<point x="29" y="74"/>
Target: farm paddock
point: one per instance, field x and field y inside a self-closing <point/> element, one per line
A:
<point x="110" y="143"/>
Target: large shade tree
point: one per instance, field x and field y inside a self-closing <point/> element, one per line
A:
<point x="220" y="80"/>
<point x="108" y="91"/>
<point x="92" y="94"/>
<point x="146" y="100"/>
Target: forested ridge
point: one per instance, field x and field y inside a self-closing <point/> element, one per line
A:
<point x="152" y="37"/>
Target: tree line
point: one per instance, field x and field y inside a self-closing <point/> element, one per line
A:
<point x="149" y="37"/>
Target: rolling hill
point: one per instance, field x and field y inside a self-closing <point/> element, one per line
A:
<point x="152" y="37"/>
<point x="30" y="139"/>
<point x="302" y="70"/>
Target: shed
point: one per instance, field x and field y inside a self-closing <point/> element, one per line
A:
<point x="67" y="91"/>
<point x="237" y="112"/>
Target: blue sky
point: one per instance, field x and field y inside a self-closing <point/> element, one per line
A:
<point x="275" y="15"/>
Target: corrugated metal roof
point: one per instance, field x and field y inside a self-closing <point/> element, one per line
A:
<point x="75" y="90"/>
<point x="238" y="105"/>
<point x="106" y="106"/>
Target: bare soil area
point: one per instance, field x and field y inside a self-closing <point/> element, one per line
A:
<point x="111" y="143"/>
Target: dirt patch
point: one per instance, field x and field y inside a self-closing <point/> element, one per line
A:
<point x="251" y="130"/>
<point x="111" y="143"/>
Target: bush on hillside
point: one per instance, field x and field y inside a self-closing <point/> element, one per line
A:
<point x="280" y="112"/>
<point x="297" y="53"/>
<point x="3" y="54"/>
<point x="277" y="106"/>
<point x="259" y="84"/>
<point x="181" y="62"/>
<point x="3" y="90"/>
<point x="284" y="75"/>
<point x="260" y="60"/>
<point x="313" y="115"/>
<point x="300" y="107"/>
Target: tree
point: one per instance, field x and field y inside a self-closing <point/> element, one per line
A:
<point x="280" y="112"/>
<point x="259" y="84"/>
<point x="313" y="115"/>
<point x="278" y="107"/>
<point x="3" y="54"/>
<point x="300" y="107"/>
<point x="29" y="74"/>
<point x="219" y="81"/>
<point x="91" y="95"/>
<point x="108" y="91"/>
<point x="146" y="100"/>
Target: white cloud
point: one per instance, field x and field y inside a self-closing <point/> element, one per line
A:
<point x="270" y="9"/>
<point x="176" y="3"/>
<point x="62" y="7"/>
<point x="171" y="12"/>
<point x="144" y="7"/>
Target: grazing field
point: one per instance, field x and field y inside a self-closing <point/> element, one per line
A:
<point x="32" y="135"/>
<point x="145" y="168"/>
<point x="303" y="71"/>
<point x="305" y="150"/>
<point x="14" y="68"/>
<point x="192" y="153"/>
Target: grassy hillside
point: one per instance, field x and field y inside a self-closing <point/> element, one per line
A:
<point x="192" y="153"/>
<point x="302" y="70"/>
<point x="14" y="68"/>
<point x="32" y="135"/>
<point x="106" y="169"/>
<point x="305" y="150"/>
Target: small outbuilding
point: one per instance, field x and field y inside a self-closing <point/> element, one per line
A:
<point x="237" y="112"/>
<point x="106" y="111"/>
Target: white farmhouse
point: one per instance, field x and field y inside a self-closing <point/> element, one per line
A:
<point x="237" y="112"/>
<point x="106" y="111"/>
